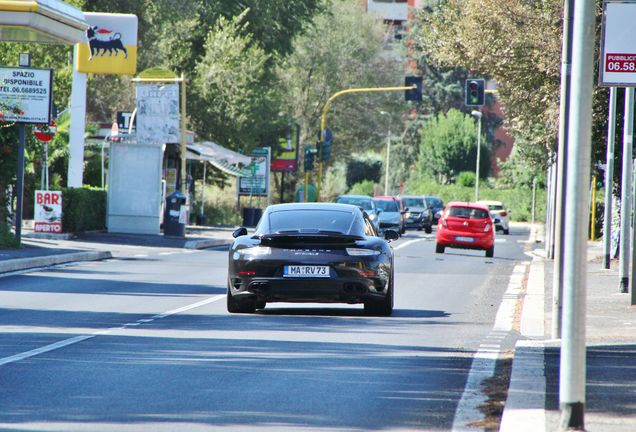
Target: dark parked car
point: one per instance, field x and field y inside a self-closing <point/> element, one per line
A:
<point x="311" y="252"/>
<point x="436" y="205"/>
<point x="365" y="202"/>
<point x="418" y="216"/>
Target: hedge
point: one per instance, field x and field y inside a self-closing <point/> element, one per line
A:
<point x="84" y="209"/>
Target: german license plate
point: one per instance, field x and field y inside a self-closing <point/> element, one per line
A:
<point x="306" y="271"/>
<point x="465" y="239"/>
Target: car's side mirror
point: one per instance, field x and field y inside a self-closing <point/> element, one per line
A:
<point x="391" y="235"/>
<point x="378" y="211"/>
<point x="239" y="232"/>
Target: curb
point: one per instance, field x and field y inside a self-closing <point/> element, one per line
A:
<point x="51" y="260"/>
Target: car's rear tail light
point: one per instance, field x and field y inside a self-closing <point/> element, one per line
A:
<point x="503" y="214"/>
<point x="368" y="273"/>
<point x="246" y="273"/>
<point x="487" y="228"/>
<point x="256" y="251"/>
<point x="362" y="252"/>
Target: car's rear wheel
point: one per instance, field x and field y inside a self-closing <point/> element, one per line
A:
<point x="428" y="229"/>
<point x="506" y="231"/>
<point x="490" y="252"/>
<point x="383" y="307"/>
<point x="260" y="304"/>
<point x="439" y="248"/>
<point x="239" y="306"/>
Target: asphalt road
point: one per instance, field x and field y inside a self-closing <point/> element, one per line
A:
<point x="144" y="343"/>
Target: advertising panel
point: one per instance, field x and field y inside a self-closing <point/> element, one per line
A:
<point x="48" y="212"/>
<point x="285" y="155"/>
<point x="111" y="45"/>
<point x="257" y="183"/>
<point x="157" y="113"/>
<point x="618" y="45"/>
<point x="25" y="94"/>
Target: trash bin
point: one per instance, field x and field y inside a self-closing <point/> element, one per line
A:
<point x="175" y="215"/>
<point x="251" y="216"/>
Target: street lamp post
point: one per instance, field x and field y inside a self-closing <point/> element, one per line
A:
<point x="388" y="155"/>
<point x="477" y="115"/>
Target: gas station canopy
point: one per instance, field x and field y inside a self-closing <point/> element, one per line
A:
<point x="41" y="21"/>
<point x="222" y="158"/>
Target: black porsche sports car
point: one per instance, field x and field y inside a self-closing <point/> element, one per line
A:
<point x="311" y="252"/>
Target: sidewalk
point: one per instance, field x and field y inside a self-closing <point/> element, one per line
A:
<point x="43" y="250"/>
<point x="533" y="396"/>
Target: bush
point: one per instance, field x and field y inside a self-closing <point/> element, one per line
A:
<point x="84" y="209"/>
<point x="7" y="239"/>
<point x="466" y="179"/>
<point x="367" y="166"/>
<point x="364" y="187"/>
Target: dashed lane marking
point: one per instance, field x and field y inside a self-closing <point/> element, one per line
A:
<point x="78" y="339"/>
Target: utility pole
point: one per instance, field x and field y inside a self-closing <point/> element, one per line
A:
<point x="562" y="174"/>
<point x="609" y="178"/>
<point x="573" y="360"/>
<point x="626" y="193"/>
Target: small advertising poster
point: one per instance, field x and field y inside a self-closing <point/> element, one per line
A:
<point x="618" y="44"/>
<point x="285" y="155"/>
<point x="158" y="113"/>
<point x="48" y="212"/>
<point x="25" y="94"/>
<point x="257" y="182"/>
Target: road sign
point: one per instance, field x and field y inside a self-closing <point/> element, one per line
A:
<point x="416" y="93"/>
<point x="25" y="94"/>
<point x="45" y="133"/>
<point x="618" y="44"/>
<point x="123" y="120"/>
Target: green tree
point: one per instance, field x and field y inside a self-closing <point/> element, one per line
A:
<point x="343" y="47"/>
<point x="449" y="146"/>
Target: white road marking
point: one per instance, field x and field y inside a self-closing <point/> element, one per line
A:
<point x="167" y="253"/>
<point x="408" y="243"/>
<point x="485" y="359"/>
<point x="77" y="339"/>
<point x="140" y="256"/>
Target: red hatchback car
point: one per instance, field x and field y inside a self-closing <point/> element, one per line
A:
<point x="466" y="225"/>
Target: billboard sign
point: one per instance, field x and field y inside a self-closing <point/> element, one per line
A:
<point x="618" y="44"/>
<point x="257" y="183"/>
<point x="285" y="157"/>
<point x="157" y="113"/>
<point x="25" y="94"/>
<point x="48" y="212"/>
<point x="110" y="46"/>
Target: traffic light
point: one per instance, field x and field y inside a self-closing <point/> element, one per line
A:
<point x="309" y="158"/>
<point x="475" y="92"/>
<point x="416" y="93"/>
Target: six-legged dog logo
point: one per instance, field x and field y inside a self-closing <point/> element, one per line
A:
<point x="102" y="41"/>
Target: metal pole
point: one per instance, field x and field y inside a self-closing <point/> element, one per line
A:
<point x="205" y="165"/>
<point x="626" y="194"/>
<point x="534" y="198"/>
<point x="103" y="163"/>
<point x="478" y="156"/>
<point x="46" y="164"/>
<point x="549" y="211"/>
<point x="562" y="174"/>
<point x="282" y="186"/>
<point x="388" y="163"/>
<point x="593" y="209"/>
<point x="42" y="175"/>
<point x="20" y="185"/>
<point x="77" y="129"/>
<point x="184" y="187"/>
<point x="609" y="178"/>
<point x="573" y="361"/>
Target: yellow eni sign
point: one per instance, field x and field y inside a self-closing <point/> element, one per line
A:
<point x="110" y="46"/>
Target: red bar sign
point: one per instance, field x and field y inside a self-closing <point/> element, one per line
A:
<point x="620" y="62"/>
